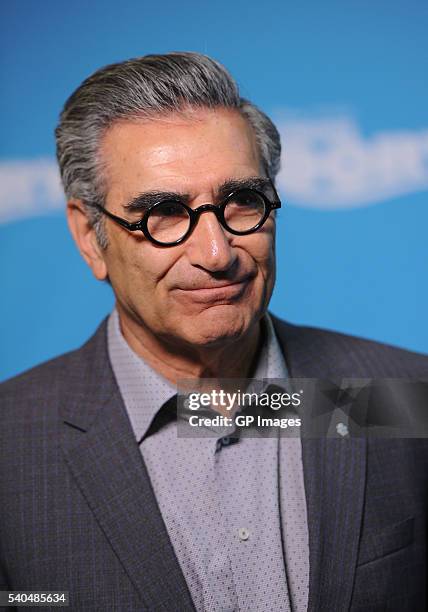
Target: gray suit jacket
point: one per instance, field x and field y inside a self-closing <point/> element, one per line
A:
<point x="78" y="513"/>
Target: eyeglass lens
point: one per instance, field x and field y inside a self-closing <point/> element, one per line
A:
<point x="170" y="221"/>
<point x="244" y="211"/>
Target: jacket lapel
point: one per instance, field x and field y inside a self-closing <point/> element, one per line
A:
<point x="334" y="476"/>
<point x="104" y="458"/>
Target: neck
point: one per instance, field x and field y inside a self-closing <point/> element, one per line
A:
<point x="182" y="362"/>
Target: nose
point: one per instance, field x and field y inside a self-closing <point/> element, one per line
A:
<point x="209" y="246"/>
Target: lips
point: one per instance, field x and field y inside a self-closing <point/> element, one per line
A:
<point x="215" y="287"/>
<point x="221" y="292"/>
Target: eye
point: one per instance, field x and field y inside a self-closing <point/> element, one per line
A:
<point x="244" y="210"/>
<point x="247" y="199"/>
<point x="168" y="221"/>
<point x="169" y="208"/>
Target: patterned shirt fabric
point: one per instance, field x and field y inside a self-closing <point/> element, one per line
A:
<point x="234" y="508"/>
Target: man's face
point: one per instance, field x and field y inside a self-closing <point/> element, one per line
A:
<point x="214" y="287"/>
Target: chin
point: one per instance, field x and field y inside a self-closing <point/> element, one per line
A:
<point x="216" y="326"/>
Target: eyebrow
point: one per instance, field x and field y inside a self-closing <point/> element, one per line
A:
<point x="253" y="182"/>
<point x="143" y="201"/>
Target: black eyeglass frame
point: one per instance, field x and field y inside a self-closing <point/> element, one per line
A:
<point x="194" y="214"/>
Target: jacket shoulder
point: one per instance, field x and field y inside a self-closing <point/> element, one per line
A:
<point x="45" y="385"/>
<point x="331" y="353"/>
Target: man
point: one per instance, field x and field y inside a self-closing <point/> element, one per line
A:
<point x="169" y="177"/>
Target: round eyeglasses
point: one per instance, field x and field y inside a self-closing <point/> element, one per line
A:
<point x="170" y="222"/>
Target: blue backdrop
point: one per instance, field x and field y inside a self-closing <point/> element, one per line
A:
<point x="346" y="84"/>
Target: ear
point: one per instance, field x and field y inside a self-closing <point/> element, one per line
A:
<point x="85" y="238"/>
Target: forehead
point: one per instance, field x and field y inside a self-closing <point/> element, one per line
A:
<point x="193" y="152"/>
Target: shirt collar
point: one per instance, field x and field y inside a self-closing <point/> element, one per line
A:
<point x="144" y="391"/>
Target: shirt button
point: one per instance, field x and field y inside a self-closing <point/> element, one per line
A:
<point x="243" y="534"/>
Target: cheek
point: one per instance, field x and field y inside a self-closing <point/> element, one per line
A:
<point x="137" y="265"/>
<point x="261" y="248"/>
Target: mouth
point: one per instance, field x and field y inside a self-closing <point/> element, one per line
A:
<point x="224" y="292"/>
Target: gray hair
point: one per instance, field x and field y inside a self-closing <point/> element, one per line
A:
<point x="144" y="87"/>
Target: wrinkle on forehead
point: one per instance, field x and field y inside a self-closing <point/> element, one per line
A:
<point x="175" y="146"/>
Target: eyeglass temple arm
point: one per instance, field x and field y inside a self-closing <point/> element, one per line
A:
<point x="119" y="220"/>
